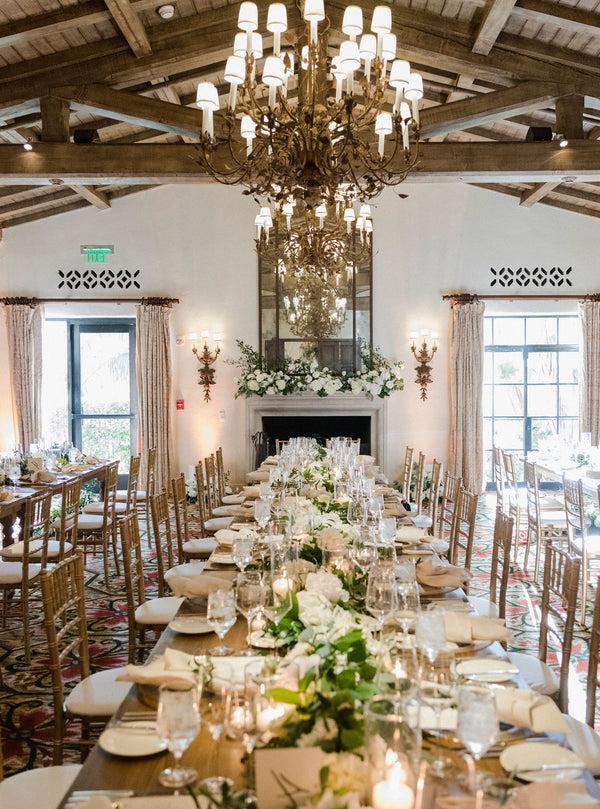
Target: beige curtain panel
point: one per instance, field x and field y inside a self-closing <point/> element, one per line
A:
<point x="466" y="393"/>
<point x="153" y="350"/>
<point x="24" y="332"/>
<point x="590" y="411"/>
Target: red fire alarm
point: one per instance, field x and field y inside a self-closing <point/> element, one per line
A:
<point x="180" y="404"/>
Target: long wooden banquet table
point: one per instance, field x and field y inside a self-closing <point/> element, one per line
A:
<point x="552" y="471"/>
<point x="11" y="509"/>
<point x="104" y="772"/>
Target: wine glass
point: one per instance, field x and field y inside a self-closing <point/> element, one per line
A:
<point x="250" y="600"/>
<point x="387" y="529"/>
<point x="437" y="691"/>
<point x="477" y="725"/>
<point x="262" y="513"/>
<point x="407" y="593"/>
<point x="241" y="552"/>
<point x="430" y="634"/>
<point x="220" y="616"/>
<point x="381" y="599"/>
<point x="178" y="723"/>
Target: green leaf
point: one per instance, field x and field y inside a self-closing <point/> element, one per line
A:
<point x="285" y="695"/>
<point x="346" y="679"/>
<point x="351" y="739"/>
<point x="323" y="777"/>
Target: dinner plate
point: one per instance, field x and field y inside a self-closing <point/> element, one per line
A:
<point x="450" y="605"/>
<point x="132" y="739"/>
<point x="522" y="759"/>
<point x="487" y="669"/>
<point x="190" y="625"/>
<point x="221" y="559"/>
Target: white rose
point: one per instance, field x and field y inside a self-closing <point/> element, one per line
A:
<point x="281" y="384"/>
<point x="327" y="584"/>
<point x="271" y="390"/>
<point x="252" y="385"/>
<point x="314" y="609"/>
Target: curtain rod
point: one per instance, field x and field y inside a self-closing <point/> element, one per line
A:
<point x="466" y="298"/>
<point x="156" y="301"/>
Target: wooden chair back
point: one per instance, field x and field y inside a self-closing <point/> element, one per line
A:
<point x="133" y="482"/>
<point x="448" y="505"/>
<point x="499" y="478"/>
<point x="407" y="469"/>
<point x="434" y="493"/>
<point x="69" y="513"/>
<point x="501" y="560"/>
<point x="593" y="674"/>
<point x="129" y="528"/>
<point x="419" y="479"/>
<point x="463" y="532"/>
<point x="151" y="472"/>
<point x="182" y="528"/>
<point x="559" y="602"/>
<point x="210" y="471"/>
<point x="163" y="536"/>
<point x="36" y="530"/>
<point x="63" y="595"/>
<point x="532" y="489"/>
<point x="110" y="494"/>
<point x="574" y="512"/>
<point x="220" y="473"/>
<point x="201" y="495"/>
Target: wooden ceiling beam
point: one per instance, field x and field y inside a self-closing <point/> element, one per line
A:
<point x="153" y="164"/>
<point x="96" y="198"/>
<point x="553" y="203"/>
<point x="132" y="109"/>
<point x="535" y="194"/>
<point x="570" y="18"/>
<point x="130" y="25"/>
<point x="494" y="18"/>
<point x="486" y="108"/>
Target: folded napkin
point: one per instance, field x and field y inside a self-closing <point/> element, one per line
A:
<point x="74" y="467"/>
<point x="365" y="459"/>
<point x="260" y="476"/>
<point x="553" y="796"/>
<point x="527" y="709"/>
<point x="438" y="573"/>
<point x="461" y="628"/>
<point x="5" y="496"/>
<point x="411" y="533"/>
<point x="201" y="585"/>
<point x="272" y="460"/>
<point x="172" y="666"/>
<point x="250" y="492"/>
<point x="394" y="510"/>
<point x="91" y="459"/>
<point x="43" y="476"/>
<point x="35" y="464"/>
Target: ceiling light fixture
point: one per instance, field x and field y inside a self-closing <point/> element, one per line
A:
<point x="28" y="146"/>
<point x="562" y="140"/>
<point x="167" y="12"/>
<point x="355" y="121"/>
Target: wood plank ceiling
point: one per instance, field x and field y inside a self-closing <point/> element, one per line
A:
<point x="491" y="68"/>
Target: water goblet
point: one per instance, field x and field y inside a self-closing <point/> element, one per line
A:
<point x="387" y="529"/>
<point x="262" y="513"/>
<point x="409" y="602"/>
<point x="178" y="723"/>
<point x="381" y="599"/>
<point x="430" y="634"/>
<point x="241" y="552"/>
<point x="250" y="600"/>
<point x="221" y="616"/>
<point x="477" y="725"/>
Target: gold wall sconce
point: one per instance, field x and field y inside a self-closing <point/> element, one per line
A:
<point x="423" y="345"/>
<point x="207" y="359"/>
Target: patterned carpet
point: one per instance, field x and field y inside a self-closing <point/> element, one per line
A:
<point x="26" y="694"/>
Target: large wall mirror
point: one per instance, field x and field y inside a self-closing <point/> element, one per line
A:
<point x="305" y="319"/>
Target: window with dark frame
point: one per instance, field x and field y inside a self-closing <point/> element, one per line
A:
<point x="531" y="383"/>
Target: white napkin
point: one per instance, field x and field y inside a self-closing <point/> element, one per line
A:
<point x="173" y="666"/>
<point x="230" y="672"/>
<point x="461" y="628"/>
<point x="527" y="709"/>
<point x="250" y="492"/>
<point x="411" y="533"/>
<point x="42" y="476"/>
<point x="439" y="573"/>
<point x="201" y="585"/>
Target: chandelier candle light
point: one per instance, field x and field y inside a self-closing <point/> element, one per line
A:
<point x="207" y="359"/>
<point x="310" y="146"/>
<point x="424" y="356"/>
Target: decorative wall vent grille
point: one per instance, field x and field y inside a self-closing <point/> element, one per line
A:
<point x="98" y="279"/>
<point x="534" y="277"/>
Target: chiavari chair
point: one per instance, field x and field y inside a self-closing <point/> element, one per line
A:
<point x="463" y="531"/>
<point x="593" y="674"/>
<point x="407" y="469"/>
<point x="65" y="527"/>
<point x="129" y="496"/>
<point x="188" y="548"/>
<point x="96" y="696"/>
<point x="279" y="445"/>
<point x="434" y="493"/>
<point x="542" y="525"/>
<point x="163" y="540"/>
<point x="495" y="606"/>
<point x="21" y="574"/>
<point x="499" y="475"/>
<point x="581" y="543"/>
<point x="216" y="481"/>
<point x="39" y="788"/>
<point x="99" y="531"/>
<point x="226" y="499"/>
<point x="142" y="614"/>
<point x="558" y="610"/>
<point x="511" y="495"/>
<point x="419" y="480"/>
<point x="209" y="525"/>
<point x="447" y="508"/>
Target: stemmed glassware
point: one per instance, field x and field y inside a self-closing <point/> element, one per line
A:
<point x="387" y="530"/>
<point x="430" y="638"/>
<point x="381" y="599"/>
<point x="178" y="723"/>
<point x="221" y="616"/>
<point x="477" y="725"/>
<point x="407" y="594"/>
<point x="251" y="593"/>
<point x="262" y="512"/>
<point x="241" y="552"/>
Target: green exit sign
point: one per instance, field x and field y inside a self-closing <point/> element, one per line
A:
<point x="96" y="253"/>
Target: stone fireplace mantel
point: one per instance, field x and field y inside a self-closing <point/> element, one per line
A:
<point x="309" y="404"/>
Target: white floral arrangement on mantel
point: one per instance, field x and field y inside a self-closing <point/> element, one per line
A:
<point x="379" y="377"/>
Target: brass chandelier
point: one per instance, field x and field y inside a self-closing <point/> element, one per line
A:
<point x="353" y="123"/>
<point x="315" y="307"/>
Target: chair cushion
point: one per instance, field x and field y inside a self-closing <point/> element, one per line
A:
<point x="91" y="522"/>
<point x="53" y="549"/>
<point x="203" y="545"/>
<point x="12" y="572"/>
<point x="15" y="551"/>
<point x="158" y="611"/>
<point x="216" y="523"/>
<point x="557" y="518"/>
<point x="232" y="499"/>
<point x="552" y="503"/>
<point x="536" y="674"/>
<point x="592" y="545"/>
<point x="98" y="695"/>
<point x="188" y="569"/>
<point x="98" y="508"/>
<point x="122" y="494"/>
<point x="483" y="606"/>
<point x="56" y="524"/>
<point x="41" y="788"/>
<point x="225" y="511"/>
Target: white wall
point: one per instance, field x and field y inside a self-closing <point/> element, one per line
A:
<point x="195" y="243"/>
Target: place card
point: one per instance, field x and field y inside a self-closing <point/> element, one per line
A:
<point x="287" y="775"/>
